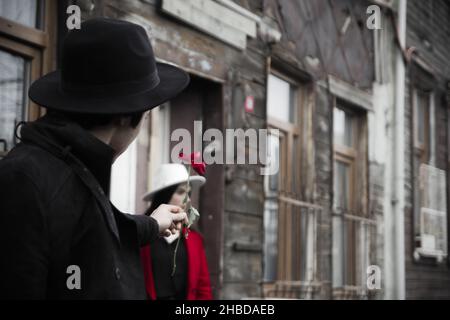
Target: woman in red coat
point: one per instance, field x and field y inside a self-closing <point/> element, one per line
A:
<point x="191" y="279"/>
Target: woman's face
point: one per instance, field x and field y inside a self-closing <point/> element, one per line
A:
<point x="179" y="195"/>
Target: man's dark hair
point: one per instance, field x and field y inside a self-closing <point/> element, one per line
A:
<point x="89" y="121"/>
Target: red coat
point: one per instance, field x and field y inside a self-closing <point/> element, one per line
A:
<point x="198" y="286"/>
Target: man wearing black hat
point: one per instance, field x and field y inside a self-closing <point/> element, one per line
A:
<point x="60" y="236"/>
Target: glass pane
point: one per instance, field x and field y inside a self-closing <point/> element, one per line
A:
<point x="270" y="240"/>
<point x="274" y="158"/>
<point x="295" y="187"/>
<point x="22" y="11"/>
<point x="300" y="240"/>
<point x="417" y="160"/>
<point x="421" y="105"/>
<point x="12" y="96"/>
<point x="292" y="104"/>
<point x="280" y="99"/>
<point x="343" y="128"/>
<point x="350" y="240"/>
<point x="341" y="186"/>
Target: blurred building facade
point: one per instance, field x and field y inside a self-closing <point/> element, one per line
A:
<point x="360" y="96"/>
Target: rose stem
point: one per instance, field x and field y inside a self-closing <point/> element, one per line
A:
<point x="178" y="241"/>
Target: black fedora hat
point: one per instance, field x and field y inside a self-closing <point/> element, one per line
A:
<point x="108" y="67"/>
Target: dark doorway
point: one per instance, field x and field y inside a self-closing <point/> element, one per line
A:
<point x="202" y="101"/>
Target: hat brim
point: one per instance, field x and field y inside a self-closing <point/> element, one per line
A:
<point x="47" y="92"/>
<point x="195" y="181"/>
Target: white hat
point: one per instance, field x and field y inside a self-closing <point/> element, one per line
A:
<point x="170" y="174"/>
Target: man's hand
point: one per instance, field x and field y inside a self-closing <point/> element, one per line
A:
<point x="170" y="219"/>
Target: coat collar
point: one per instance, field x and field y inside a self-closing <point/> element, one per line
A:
<point x="92" y="152"/>
<point x="90" y="158"/>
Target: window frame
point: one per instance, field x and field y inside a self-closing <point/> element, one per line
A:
<point x="290" y="204"/>
<point x="350" y="162"/>
<point x="289" y="130"/>
<point x="421" y="149"/>
<point x="36" y="46"/>
<point x="347" y="154"/>
<point x="424" y="154"/>
<point x="351" y="283"/>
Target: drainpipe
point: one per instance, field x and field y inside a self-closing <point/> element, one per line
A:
<point x="398" y="196"/>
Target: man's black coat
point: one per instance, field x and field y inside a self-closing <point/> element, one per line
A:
<point x="55" y="213"/>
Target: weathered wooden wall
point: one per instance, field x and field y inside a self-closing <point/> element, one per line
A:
<point x="428" y="30"/>
<point x="314" y="36"/>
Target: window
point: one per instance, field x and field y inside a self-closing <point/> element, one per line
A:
<point x="353" y="227"/>
<point x="26" y="27"/>
<point x="24" y="12"/>
<point x="421" y="148"/>
<point x="271" y="213"/>
<point x="345" y="155"/>
<point x="421" y="125"/>
<point x="14" y="75"/>
<point x="430" y="200"/>
<point x="289" y="222"/>
<point x="281" y="100"/>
